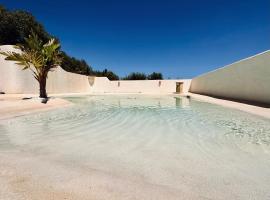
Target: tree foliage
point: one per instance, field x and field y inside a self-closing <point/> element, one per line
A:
<point x="106" y="73"/>
<point x="135" y="76"/>
<point x="155" y="76"/>
<point x="142" y="76"/>
<point x="74" y="65"/>
<point x="16" y="25"/>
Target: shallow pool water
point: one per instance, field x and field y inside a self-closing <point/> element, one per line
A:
<point x="174" y="142"/>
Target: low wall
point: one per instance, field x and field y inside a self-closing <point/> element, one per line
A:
<point x="103" y="85"/>
<point x="60" y="81"/>
<point x="14" y="80"/>
<point x="247" y="80"/>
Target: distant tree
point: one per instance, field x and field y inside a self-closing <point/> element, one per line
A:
<point x="106" y="73"/>
<point x="135" y="76"/>
<point x="38" y="57"/>
<point x="74" y="65"/>
<point x="17" y="25"/>
<point x="155" y="76"/>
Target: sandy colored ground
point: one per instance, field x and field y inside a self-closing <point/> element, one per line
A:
<point x="256" y="110"/>
<point x="14" y="106"/>
<point x="26" y="177"/>
<point x="29" y="177"/>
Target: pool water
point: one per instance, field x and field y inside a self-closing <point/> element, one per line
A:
<point x="176" y="143"/>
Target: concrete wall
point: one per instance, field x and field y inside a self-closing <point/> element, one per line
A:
<point x="60" y="81"/>
<point x="103" y="85"/>
<point x="14" y="80"/>
<point x="247" y="79"/>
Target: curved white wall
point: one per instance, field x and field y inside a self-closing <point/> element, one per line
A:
<point x="14" y="80"/>
<point x="60" y="81"/>
<point x="248" y="79"/>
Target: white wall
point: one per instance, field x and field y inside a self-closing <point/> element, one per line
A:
<point x="247" y="79"/>
<point x="60" y="81"/>
<point x="103" y="85"/>
<point x="14" y="80"/>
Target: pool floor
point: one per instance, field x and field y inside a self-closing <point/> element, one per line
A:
<point x="135" y="147"/>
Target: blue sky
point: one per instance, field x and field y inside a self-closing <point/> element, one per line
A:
<point x="181" y="39"/>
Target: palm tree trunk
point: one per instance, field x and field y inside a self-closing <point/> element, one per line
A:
<point x="42" y="87"/>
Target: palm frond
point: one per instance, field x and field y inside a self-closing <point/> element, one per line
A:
<point x="36" y="56"/>
<point x="33" y="42"/>
<point x="20" y="59"/>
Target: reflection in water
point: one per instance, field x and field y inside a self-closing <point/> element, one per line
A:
<point x="182" y="102"/>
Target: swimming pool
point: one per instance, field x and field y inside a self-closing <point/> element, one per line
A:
<point x="144" y="147"/>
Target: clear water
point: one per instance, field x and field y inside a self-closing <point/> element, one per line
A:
<point x="176" y="143"/>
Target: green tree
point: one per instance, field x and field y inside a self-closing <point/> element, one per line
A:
<point x="74" y="65"/>
<point x="38" y="57"/>
<point x="135" y="76"/>
<point x="155" y="76"/>
<point x="106" y="73"/>
<point x="16" y="25"/>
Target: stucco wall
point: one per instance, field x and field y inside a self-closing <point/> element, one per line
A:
<point x="103" y="85"/>
<point x="60" y="81"/>
<point x="247" y="79"/>
<point x="14" y="80"/>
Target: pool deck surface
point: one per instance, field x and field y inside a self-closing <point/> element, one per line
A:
<point x="13" y="105"/>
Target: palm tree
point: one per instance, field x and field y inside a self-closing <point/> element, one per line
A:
<point x="38" y="57"/>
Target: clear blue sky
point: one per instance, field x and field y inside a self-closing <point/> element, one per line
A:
<point x="178" y="38"/>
